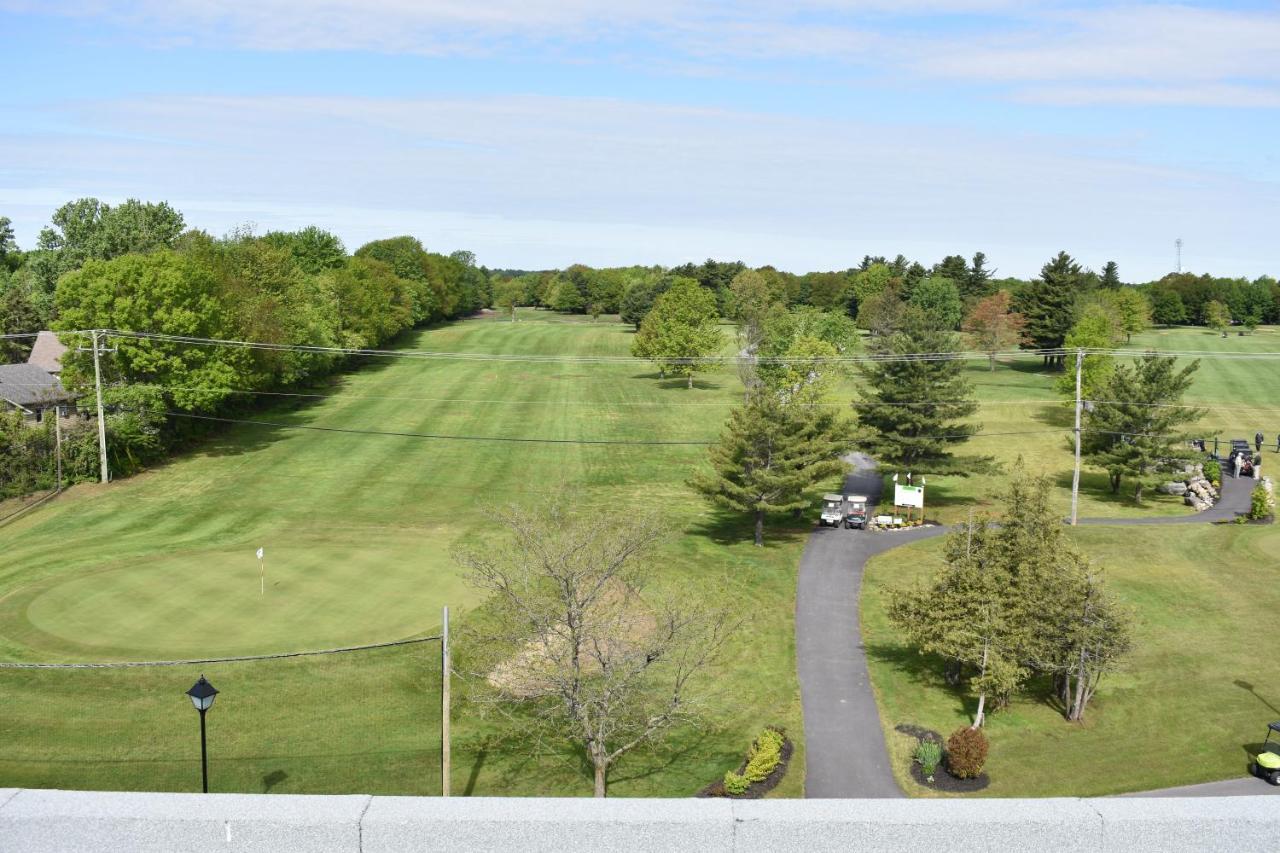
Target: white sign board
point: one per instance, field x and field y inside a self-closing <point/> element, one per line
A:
<point x="908" y="495"/>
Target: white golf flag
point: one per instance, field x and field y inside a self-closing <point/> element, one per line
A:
<point x="895" y="477"/>
<point x="259" y="553"/>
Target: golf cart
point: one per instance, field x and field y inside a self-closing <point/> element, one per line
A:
<point x="832" y="510"/>
<point x="856" y="512"/>
<point x="1266" y="764"/>
<point x="1241" y="448"/>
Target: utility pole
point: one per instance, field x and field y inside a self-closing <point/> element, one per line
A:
<point x="102" y="421"/>
<point x="445" y="758"/>
<point x="57" y="439"/>
<point x="1075" y="475"/>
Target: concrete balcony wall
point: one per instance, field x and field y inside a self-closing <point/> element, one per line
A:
<point x="34" y="821"/>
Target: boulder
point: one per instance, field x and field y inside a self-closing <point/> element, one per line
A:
<point x="1173" y="489"/>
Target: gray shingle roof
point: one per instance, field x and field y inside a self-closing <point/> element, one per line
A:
<point x="29" y="385"/>
<point x="47" y="352"/>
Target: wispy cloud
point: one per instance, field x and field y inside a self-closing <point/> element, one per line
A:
<point x="1072" y="53"/>
<point x="549" y="181"/>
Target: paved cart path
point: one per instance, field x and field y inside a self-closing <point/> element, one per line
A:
<point x="845" y="754"/>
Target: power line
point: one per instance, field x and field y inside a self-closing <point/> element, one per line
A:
<point x="523" y="440"/>
<point x="573" y="359"/>
<point x="200" y="661"/>
<point x="868" y="358"/>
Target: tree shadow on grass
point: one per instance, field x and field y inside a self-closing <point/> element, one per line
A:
<point x="922" y="670"/>
<point x="1097" y="485"/>
<point x="1056" y="415"/>
<point x="656" y="759"/>
<point x="678" y="382"/>
<point x="726" y="528"/>
<point x="223" y="438"/>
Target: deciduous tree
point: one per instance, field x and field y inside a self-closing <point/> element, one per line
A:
<point x="680" y="331"/>
<point x="939" y="298"/>
<point x="994" y="326"/>
<point x="575" y="645"/>
<point x="1217" y="316"/>
<point x="1097" y="328"/>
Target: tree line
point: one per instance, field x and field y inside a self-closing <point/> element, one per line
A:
<point x="137" y="267"/>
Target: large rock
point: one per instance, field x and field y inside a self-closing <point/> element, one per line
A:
<point x="1178" y="489"/>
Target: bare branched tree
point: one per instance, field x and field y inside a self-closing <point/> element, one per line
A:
<point x="576" y="646"/>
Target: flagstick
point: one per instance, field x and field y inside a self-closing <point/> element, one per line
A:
<point x="262" y="578"/>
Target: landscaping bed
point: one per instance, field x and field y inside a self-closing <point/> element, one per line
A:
<point x="941" y="780"/>
<point x="756" y="790"/>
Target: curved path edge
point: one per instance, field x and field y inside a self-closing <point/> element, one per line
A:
<point x="845" y="752"/>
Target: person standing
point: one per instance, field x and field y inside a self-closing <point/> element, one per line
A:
<point x="1238" y="461"/>
<point x="1257" y="441"/>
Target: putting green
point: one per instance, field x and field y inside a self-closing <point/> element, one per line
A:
<point x="207" y="602"/>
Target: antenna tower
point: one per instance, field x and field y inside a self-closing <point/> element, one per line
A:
<point x="1178" y="245"/>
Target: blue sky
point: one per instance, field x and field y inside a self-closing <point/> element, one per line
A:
<point x="545" y="132"/>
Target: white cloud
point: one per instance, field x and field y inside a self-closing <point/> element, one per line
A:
<point x="537" y="181"/>
<point x="1190" y="95"/>
<point x="1134" y="43"/>
<point x="1103" y="54"/>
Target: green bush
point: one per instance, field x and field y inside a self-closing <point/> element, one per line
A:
<point x="929" y="755"/>
<point x="764" y="756"/>
<point x="762" y="759"/>
<point x="1213" y="472"/>
<point x="735" y="783"/>
<point x="1261" y="504"/>
<point x="966" y="752"/>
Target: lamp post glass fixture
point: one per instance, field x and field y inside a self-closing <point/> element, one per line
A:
<point x="202" y="694"/>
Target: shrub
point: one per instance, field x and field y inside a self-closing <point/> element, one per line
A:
<point x="1213" y="472"/>
<point x="1261" y="504"/>
<point x="764" y="756"/>
<point x="735" y="783"/>
<point x="929" y="755"/>
<point x="966" y="752"/>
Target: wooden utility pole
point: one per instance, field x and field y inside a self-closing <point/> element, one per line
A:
<point x="445" y="666"/>
<point x="1075" y="475"/>
<point x="57" y="440"/>
<point x="102" y="421"/>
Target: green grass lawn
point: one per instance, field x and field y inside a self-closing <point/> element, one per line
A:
<point x="1241" y="396"/>
<point x="1194" y="697"/>
<point x="358" y="531"/>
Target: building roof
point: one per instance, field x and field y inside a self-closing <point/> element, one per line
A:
<point x="47" y="352"/>
<point x="30" y="386"/>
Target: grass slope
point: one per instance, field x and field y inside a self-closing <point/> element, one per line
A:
<point x="358" y="531"/>
<point x="1194" y="697"/>
<point x="1022" y="415"/>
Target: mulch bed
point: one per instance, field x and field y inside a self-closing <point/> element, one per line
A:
<point x="942" y="780"/>
<point x="755" y="790"/>
<point x="945" y="782"/>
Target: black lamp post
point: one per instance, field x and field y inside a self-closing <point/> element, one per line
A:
<point x="202" y="693"/>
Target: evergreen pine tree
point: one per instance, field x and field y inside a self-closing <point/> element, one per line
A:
<point x="978" y="283"/>
<point x="770" y="454"/>
<point x="1049" y="304"/>
<point x="915" y="408"/>
<point x="1111" y="276"/>
<point x="1135" y="429"/>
